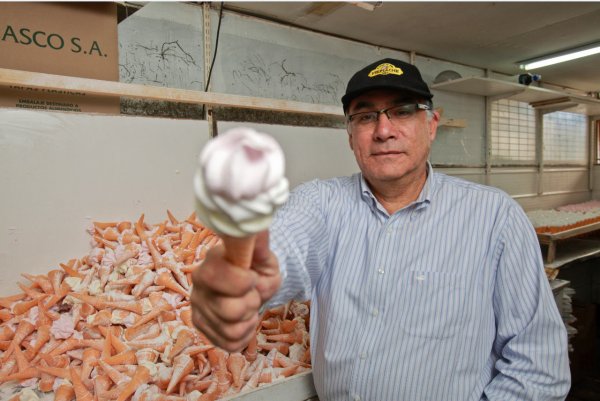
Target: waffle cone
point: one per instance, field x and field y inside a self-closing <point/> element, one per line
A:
<point x="239" y="251"/>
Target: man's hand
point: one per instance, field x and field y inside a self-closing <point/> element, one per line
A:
<point x="226" y="298"/>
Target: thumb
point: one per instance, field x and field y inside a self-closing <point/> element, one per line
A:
<point x="266" y="266"/>
<point x="261" y="248"/>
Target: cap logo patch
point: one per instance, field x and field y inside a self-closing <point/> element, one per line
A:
<point x="386" y="69"/>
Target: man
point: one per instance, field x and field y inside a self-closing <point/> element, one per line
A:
<point x="423" y="286"/>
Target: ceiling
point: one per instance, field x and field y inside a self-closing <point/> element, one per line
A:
<point x="490" y="35"/>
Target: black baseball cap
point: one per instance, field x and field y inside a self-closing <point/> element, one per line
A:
<point x="386" y="73"/>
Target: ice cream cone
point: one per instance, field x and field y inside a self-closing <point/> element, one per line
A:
<point x="239" y="184"/>
<point x="239" y="251"/>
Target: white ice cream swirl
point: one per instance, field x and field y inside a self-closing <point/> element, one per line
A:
<point x="240" y="182"/>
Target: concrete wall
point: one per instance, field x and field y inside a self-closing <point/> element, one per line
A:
<point x="61" y="171"/>
<point x="265" y="59"/>
<point x="596" y="182"/>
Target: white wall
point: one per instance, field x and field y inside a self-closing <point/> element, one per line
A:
<point x="310" y="152"/>
<point x="596" y="182"/>
<point x="559" y="186"/>
<point x="61" y="171"/>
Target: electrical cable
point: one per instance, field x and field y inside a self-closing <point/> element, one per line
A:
<point x="212" y="64"/>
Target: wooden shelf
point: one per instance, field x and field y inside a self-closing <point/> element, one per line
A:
<point x="497" y="88"/>
<point x="557" y="285"/>
<point x="116" y="89"/>
<point x="536" y="96"/>
<point x="564" y="247"/>
<point x="548" y="238"/>
<point x="573" y="250"/>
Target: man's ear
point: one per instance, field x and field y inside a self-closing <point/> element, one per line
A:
<point x="350" y="139"/>
<point x="433" y="125"/>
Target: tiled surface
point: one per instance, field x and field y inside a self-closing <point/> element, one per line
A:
<point x="513" y="132"/>
<point x="513" y="135"/>
<point x="565" y="138"/>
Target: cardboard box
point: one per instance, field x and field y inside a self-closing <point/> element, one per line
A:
<point x="71" y="39"/>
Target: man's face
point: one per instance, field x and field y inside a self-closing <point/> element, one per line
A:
<point x="389" y="151"/>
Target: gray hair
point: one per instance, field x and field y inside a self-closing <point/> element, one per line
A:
<point x="430" y="114"/>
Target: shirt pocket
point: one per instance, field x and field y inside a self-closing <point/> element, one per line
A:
<point x="431" y="304"/>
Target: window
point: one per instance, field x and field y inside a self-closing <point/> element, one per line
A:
<point x="565" y="138"/>
<point x="513" y="133"/>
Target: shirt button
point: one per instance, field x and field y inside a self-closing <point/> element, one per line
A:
<point x="380" y="271"/>
<point x="363" y="356"/>
<point x="357" y="398"/>
<point x="389" y="230"/>
<point x="375" y="312"/>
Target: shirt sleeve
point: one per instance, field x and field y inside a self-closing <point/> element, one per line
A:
<point x="298" y="237"/>
<point x="531" y="338"/>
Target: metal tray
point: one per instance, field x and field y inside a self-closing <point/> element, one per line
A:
<point x="546" y="238"/>
<point x="299" y="387"/>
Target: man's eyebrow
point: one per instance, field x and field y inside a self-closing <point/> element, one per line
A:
<point x="363" y="104"/>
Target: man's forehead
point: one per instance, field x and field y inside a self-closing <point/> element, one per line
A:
<point x="371" y="98"/>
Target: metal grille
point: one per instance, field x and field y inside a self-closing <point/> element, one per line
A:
<point x="565" y="138"/>
<point x="513" y="133"/>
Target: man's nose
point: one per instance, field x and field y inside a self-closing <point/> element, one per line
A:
<point x="384" y="128"/>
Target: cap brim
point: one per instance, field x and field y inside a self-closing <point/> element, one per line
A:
<point x="348" y="97"/>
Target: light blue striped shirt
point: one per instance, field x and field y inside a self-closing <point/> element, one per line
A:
<point x="444" y="300"/>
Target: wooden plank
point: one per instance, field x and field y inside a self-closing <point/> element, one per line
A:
<point x="551" y="273"/>
<point x="497" y="88"/>
<point x="550" y="102"/>
<point x="10" y="77"/>
<point x="546" y="238"/>
<point x="558" y="284"/>
<point x="453" y="122"/>
<point x="551" y="252"/>
<point x="450" y="122"/>
<point x="573" y="250"/>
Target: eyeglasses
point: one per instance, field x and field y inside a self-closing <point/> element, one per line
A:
<point x="396" y="114"/>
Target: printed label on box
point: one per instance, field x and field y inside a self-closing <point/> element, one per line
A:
<point x="70" y="39"/>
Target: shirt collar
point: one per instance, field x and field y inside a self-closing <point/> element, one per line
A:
<point x="423" y="199"/>
<point x="425" y="195"/>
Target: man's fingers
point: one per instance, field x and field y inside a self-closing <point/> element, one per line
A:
<point x="261" y="248"/>
<point x="226" y="316"/>
<point x="223" y="278"/>
<point x="226" y="298"/>
<point x="267" y="286"/>
<point x="232" y="338"/>
<point x="232" y="310"/>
